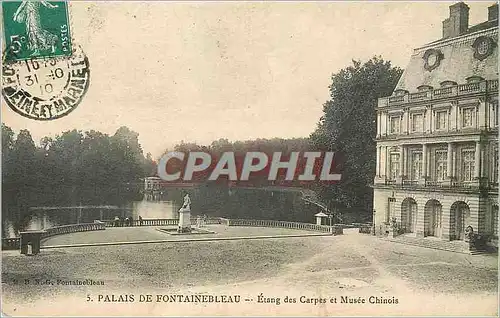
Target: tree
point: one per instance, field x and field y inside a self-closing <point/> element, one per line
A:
<point x="7" y="167"/>
<point x="150" y="166"/>
<point x="7" y="147"/>
<point x="348" y="127"/>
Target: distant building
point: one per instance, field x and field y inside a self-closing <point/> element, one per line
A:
<point x="152" y="188"/>
<point x="437" y="136"/>
<point x="152" y="183"/>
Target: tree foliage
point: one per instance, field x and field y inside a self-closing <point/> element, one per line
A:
<point x="348" y="126"/>
<point x="72" y="168"/>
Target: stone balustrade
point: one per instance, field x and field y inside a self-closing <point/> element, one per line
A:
<point x="143" y="222"/>
<point x="73" y="228"/>
<point x="228" y="222"/>
<point x="462" y="89"/>
<point x="336" y="229"/>
<point x="15" y="243"/>
<point x="286" y="225"/>
<point x="158" y="222"/>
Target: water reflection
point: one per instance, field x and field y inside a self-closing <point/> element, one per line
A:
<point x="154" y="210"/>
<point x="55" y="216"/>
<point x="8" y="229"/>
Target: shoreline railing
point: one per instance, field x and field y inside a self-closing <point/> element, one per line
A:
<point x="335" y="229"/>
<point x="73" y="228"/>
<point x="283" y="224"/>
<point x="156" y="222"/>
<point x="229" y="222"/>
<point x="15" y="242"/>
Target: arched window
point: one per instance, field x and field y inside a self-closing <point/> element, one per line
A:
<point x="400" y="92"/>
<point x="474" y="79"/>
<point x="423" y="88"/>
<point x="447" y="84"/>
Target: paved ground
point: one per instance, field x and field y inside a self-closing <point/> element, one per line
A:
<point x="147" y="233"/>
<point x="424" y="281"/>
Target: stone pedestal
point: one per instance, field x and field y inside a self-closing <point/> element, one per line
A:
<point x="184" y="220"/>
<point x="31" y="242"/>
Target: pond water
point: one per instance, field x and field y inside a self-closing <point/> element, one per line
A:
<point x="56" y="216"/>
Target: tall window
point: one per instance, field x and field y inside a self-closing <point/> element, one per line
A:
<point x="441" y="118"/>
<point x="467" y="164"/>
<point x="395" y="123"/>
<point x="467" y="117"/>
<point x="417" y="123"/>
<point x="390" y="209"/>
<point x="495" y="114"/>
<point x="441" y="165"/>
<point x="495" y="166"/>
<point x="416" y="165"/>
<point x="494" y="216"/>
<point x="394" y="166"/>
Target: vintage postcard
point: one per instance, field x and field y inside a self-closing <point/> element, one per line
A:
<point x="227" y="158"/>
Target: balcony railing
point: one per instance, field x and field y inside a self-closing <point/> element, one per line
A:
<point x="462" y="89"/>
<point x="398" y="99"/>
<point x="482" y="184"/>
<point x="493" y="86"/>
<point x="420" y="96"/>
<point x="420" y="134"/>
<point x="410" y="182"/>
<point x="445" y="91"/>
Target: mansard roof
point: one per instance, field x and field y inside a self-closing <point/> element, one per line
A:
<point x="456" y="60"/>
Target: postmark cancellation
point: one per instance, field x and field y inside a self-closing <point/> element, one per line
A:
<point x="44" y="74"/>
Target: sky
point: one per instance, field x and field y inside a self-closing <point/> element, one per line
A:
<point x="197" y="72"/>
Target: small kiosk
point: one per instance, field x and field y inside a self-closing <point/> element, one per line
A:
<point x="320" y="217"/>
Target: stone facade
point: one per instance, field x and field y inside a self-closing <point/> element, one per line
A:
<point x="437" y="137"/>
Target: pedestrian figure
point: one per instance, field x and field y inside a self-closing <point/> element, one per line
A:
<point x="131" y="221"/>
<point x="140" y="220"/>
<point x="117" y="221"/>
<point x="198" y="221"/>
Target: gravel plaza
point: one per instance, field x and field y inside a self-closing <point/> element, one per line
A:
<point x="351" y="267"/>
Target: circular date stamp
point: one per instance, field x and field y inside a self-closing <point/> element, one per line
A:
<point x="46" y="88"/>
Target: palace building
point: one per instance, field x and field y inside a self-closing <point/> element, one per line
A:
<point x="437" y="136"/>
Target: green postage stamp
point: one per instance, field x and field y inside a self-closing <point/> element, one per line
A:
<point x="36" y="29"/>
<point x="45" y="74"/>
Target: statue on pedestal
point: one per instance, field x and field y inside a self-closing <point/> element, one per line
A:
<point x="187" y="202"/>
<point x="185" y="216"/>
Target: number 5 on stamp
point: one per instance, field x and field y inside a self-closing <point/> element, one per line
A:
<point x="36" y="29"/>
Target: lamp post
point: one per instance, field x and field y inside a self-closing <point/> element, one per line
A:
<point x="374" y="231"/>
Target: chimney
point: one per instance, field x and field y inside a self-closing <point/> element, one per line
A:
<point x="493" y="12"/>
<point x="458" y="22"/>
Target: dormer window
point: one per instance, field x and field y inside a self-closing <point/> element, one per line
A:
<point x="400" y="92"/>
<point x="474" y="79"/>
<point x="448" y="84"/>
<point x="423" y="88"/>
